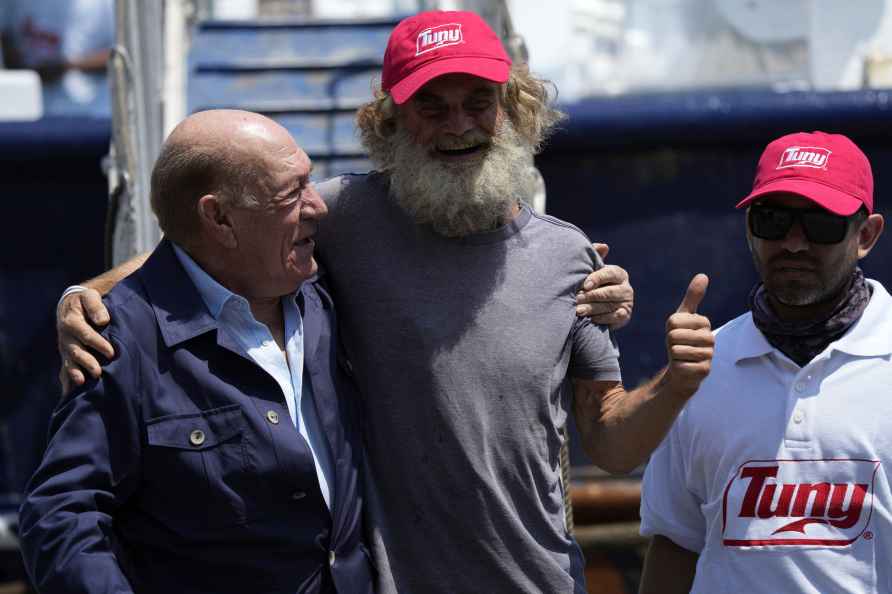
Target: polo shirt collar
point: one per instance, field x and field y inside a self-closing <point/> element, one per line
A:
<point x="751" y="342"/>
<point x="870" y="336"/>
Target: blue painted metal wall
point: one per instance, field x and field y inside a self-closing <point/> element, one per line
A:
<point x="310" y="76"/>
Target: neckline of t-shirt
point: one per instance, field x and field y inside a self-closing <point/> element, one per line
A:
<point x="502" y="233"/>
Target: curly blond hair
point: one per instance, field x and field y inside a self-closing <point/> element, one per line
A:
<point x="527" y="101"/>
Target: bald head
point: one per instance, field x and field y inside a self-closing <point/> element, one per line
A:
<point x="228" y="130"/>
<point x="219" y="152"/>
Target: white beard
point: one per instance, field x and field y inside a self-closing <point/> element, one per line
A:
<point x="459" y="198"/>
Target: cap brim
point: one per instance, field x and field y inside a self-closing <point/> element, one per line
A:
<point x="491" y="69"/>
<point x="824" y="196"/>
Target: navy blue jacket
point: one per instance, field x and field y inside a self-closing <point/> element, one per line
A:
<point x="130" y="497"/>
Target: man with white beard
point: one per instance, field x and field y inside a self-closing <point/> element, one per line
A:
<point x="459" y="316"/>
<point x="457" y="302"/>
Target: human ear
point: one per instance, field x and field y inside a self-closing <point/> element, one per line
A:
<point x="216" y="220"/>
<point x="869" y="233"/>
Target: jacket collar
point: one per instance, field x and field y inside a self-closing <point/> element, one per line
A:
<point x="179" y="309"/>
<point x="182" y="313"/>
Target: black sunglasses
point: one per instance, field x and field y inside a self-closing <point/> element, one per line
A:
<point x="774" y="222"/>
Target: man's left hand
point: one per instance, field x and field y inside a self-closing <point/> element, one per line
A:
<point x="606" y="295"/>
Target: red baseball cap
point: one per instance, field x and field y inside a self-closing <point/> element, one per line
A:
<point x="828" y="169"/>
<point x="431" y="44"/>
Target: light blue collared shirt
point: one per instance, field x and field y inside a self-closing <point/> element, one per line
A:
<point x="233" y="313"/>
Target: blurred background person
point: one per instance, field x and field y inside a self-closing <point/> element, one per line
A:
<point x="68" y="43"/>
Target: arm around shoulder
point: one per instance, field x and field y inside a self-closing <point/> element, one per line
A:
<point x="106" y="281"/>
<point x="78" y="315"/>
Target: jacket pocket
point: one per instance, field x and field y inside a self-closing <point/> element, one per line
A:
<point x="196" y="471"/>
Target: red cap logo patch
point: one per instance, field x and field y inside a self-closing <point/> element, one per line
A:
<point x="437" y="37"/>
<point x="804" y="156"/>
<point x="798" y="503"/>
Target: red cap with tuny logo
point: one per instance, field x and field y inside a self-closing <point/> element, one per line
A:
<point x="828" y="169"/>
<point x="431" y="44"/>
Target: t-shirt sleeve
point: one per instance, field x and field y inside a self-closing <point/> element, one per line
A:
<point x="668" y="505"/>
<point x="595" y="355"/>
<point x="339" y="195"/>
<point x="325" y="237"/>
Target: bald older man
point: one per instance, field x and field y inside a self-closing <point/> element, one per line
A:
<point x="183" y="468"/>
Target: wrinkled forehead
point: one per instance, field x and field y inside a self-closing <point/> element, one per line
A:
<point x="279" y="166"/>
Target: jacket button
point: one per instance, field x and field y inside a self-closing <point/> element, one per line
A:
<point x="197" y="437"/>
<point x="331" y="557"/>
<point x="273" y="417"/>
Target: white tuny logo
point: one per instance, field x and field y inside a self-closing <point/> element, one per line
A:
<point x="798" y="502"/>
<point x="804" y="156"/>
<point x="437" y="37"/>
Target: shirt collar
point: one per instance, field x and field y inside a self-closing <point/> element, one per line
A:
<point x="214" y="295"/>
<point x="751" y="342"/>
<point x="870" y="336"/>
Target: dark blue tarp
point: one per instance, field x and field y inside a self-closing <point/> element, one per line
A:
<point x="657" y="178"/>
<point x="53" y="210"/>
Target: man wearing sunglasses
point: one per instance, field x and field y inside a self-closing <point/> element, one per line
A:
<point x="772" y="479"/>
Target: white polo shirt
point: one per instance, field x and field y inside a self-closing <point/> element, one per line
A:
<point x="778" y="475"/>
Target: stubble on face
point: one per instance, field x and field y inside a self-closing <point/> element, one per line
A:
<point x="809" y="278"/>
<point x="458" y="197"/>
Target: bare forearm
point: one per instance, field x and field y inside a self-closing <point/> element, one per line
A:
<point x="620" y="428"/>
<point x="106" y="281"/>
<point x="668" y="568"/>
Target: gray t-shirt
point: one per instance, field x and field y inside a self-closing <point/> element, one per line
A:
<point x="462" y="348"/>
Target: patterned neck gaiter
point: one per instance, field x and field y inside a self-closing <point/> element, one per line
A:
<point x="802" y="340"/>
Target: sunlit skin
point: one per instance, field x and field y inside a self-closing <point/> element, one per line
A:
<point x="454" y="115"/>
<point x="275" y="245"/>
<point x="261" y="249"/>
<point x="806" y="281"/>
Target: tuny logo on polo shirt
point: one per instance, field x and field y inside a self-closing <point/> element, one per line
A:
<point x="804" y="156"/>
<point x="437" y="37"/>
<point x="798" y="502"/>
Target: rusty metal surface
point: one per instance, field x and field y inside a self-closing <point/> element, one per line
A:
<point x="599" y="502"/>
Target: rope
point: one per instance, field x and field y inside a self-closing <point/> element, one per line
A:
<point x="565" y="480"/>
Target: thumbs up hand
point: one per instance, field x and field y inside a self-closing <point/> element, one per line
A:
<point x="689" y="341"/>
